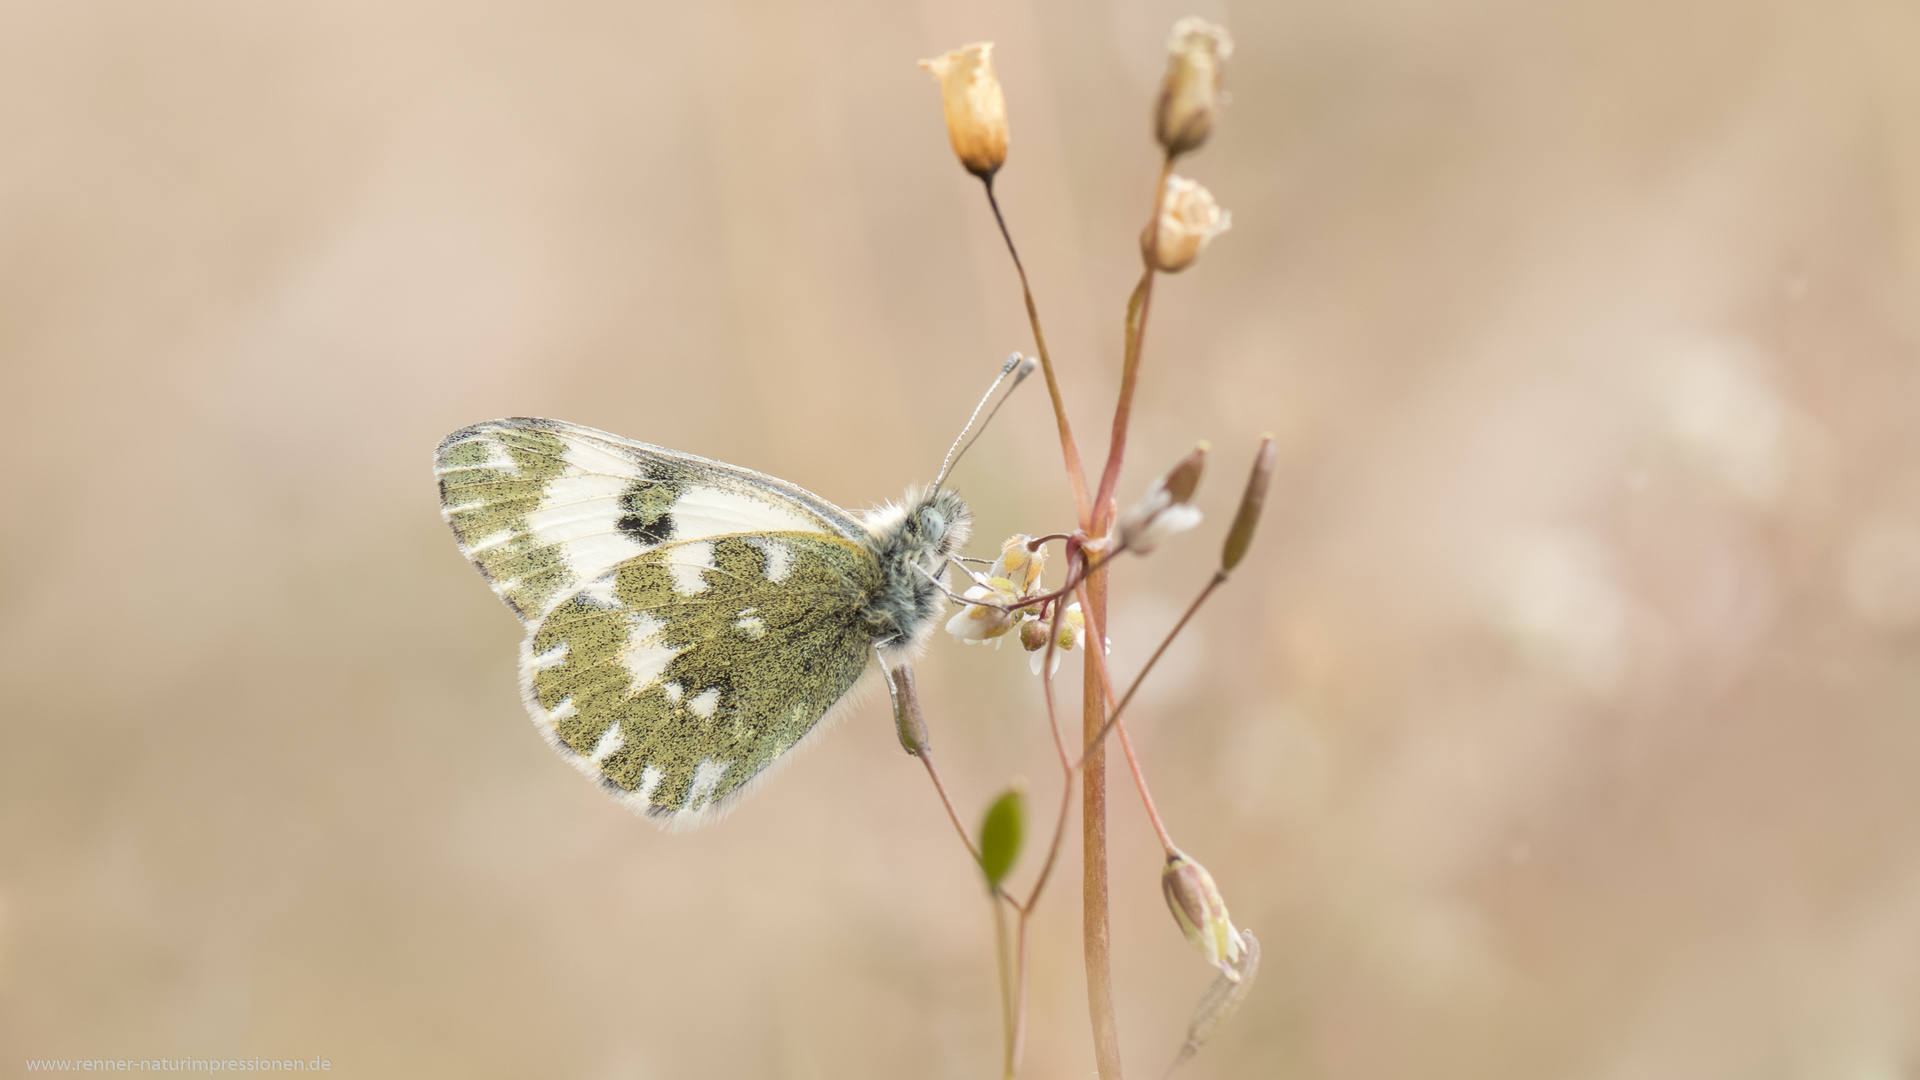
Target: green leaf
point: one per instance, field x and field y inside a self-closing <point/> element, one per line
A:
<point x="1000" y="834"/>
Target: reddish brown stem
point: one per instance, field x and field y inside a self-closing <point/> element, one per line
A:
<point x="1219" y="578"/>
<point x="1136" y="330"/>
<point x="1097" y="941"/>
<point x="1098" y="633"/>
<point x="1069" y="449"/>
<point x="926" y="758"/>
<point x="1017" y="1039"/>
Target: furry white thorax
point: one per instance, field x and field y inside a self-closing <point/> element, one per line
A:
<point x="911" y="541"/>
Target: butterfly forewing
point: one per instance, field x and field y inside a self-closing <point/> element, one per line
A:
<point x="544" y="507"/>
<point x="681" y="675"/>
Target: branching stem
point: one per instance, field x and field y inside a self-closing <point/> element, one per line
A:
<point x="1219" y="578"/>
<point x="1098" y="634"/>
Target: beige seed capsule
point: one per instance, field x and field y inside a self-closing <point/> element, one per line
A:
<point x="1190" y="92"/>
<point x="1189" y="220"/>
<point x="976" y="110"/>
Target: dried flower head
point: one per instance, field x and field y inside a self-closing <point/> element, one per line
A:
<point x="976" y="110"/>
<point x="1189" y="220"/>
<point x="1202" y="914"/>
<point x="1166" y="508"/>
<point x="1190" y="93"/>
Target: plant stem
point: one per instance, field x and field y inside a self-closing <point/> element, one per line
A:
<point x="1098" y="633"/>
<point x="1093" y="807"/>
<point x="1097" y="941"/>
<point x="1008" y="1024"/>
<point x="1069" y="449"/>
<point x="1066" y="766"/>
<point x="1219" y="578"/>
<point x="1136" y="331"/>
<point x="1019" y="1024"/>
<point x="926" y="758"/>
<point x="1019" y="1045"/>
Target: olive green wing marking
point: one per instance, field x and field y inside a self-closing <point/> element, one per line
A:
<point x="680" y="676"/>
<point x="543" y="507"/>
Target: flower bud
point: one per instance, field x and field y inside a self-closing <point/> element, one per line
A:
<point x="976" y="110"/>
<point x="1033" y="637"/>
<point x="1189" y="220"/>
<point x="908" y="723"/>
<point x="1018" y="565"/>
<point x="1190" y="93"/>
<point x="1201" y="913"/>
<point x="1166" y="507"/>
<point x="1251" y="503"/>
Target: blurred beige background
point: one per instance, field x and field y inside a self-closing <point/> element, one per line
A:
<point x="1566" y="722"/>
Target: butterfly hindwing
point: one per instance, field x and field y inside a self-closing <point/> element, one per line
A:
<point x="679" y="676"/>
<point x="543" y="507"/>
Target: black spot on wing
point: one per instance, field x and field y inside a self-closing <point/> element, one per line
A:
<point x="649" y="531"/>
<point x="647" y="511"/>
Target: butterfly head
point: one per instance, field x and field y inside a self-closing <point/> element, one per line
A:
<point x="911" y="541"/>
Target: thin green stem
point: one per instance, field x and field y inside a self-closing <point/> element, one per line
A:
<point x="1019" y="1044"/>
<point x="1008" y="1024"/>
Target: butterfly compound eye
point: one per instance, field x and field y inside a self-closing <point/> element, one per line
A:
<point x="934" y="525"/>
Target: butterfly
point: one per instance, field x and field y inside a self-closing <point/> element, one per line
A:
<point x="689" y="623"/>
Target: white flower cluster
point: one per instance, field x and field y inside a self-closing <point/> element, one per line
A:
<point x="991" y="615"/>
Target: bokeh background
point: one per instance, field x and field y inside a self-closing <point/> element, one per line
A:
<point x="1565" y="722"/>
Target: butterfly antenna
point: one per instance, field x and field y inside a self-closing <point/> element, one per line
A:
<point x="1017" y="366"/>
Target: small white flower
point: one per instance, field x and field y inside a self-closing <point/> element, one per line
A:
<point x="978" y="623"/>
<point x="1166" y="508"/>
<point x="1154" y="518"/>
